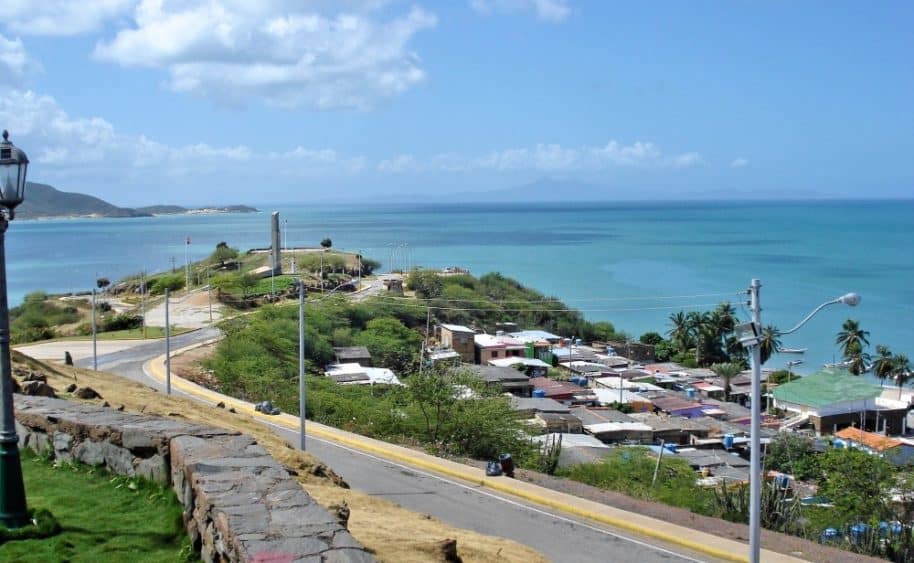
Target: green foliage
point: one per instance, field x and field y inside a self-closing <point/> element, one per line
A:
<point x="857" y="483"/>
<point x="391" y="343"/>
<point x="426" y="283"/>
<point x="369" y="266"/>
<point x="102" y="517"/>
<point x="652" y="338"/>
<point x="172" y="282"/>
<point x="793" y="454"/>
<point x="630" y="470"/>
<point x="326" y="243"/>
<point x="707" y="335"/>
<point x="853" y="341"/>
<point x="122" y="321"/>
<point x="36" y="318"/>
<point x="223" y="253"/>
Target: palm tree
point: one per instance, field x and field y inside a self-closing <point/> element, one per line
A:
<point x="902" y="371"/>
<point x="726" y="316"/>
<point x="727" y="371"/>
<point x="679" y="334"/>
<point x="698" y="323"/>
<point x="851" y="336"/>
<point x="769" y="343"/>
<point x="883" y="366"/>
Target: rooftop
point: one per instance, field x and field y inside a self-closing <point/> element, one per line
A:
<point x="457" y="328"/>
<point x="828" y="387"/>
<point x="535" y="335"/>
<point x="871" y="440"/>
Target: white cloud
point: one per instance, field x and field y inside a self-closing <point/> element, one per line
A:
<point x="284" y="53"/>
<point x="739" y="162"/>
<point x="545" y="10"/>
<point x="15" y="63"/>
<point x="61" y="17"/>
<point x="546" y="158"/>
<point x="84" y="151"/>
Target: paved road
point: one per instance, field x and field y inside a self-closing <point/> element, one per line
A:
<point x="460" y="504"/>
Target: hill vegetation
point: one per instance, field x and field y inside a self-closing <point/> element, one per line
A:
<point x="45" y="201"/>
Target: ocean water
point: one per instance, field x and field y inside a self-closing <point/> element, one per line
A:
<point x="630" y="263"/>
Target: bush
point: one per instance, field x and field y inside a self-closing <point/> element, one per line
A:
<point x="171" y="282"/>
<point x="122" y="321"/>
<point x="36" y="318"/>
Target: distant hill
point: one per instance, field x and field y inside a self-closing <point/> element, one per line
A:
<point x="44" y="201"/>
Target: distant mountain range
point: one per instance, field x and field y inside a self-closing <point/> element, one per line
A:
<point x="44" y="201"/>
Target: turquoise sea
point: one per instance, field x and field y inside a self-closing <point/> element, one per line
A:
<point x="630" y="263"/>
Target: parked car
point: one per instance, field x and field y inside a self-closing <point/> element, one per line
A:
<point x="266" y="407"/>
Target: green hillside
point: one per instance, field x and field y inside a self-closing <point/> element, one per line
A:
<point x="42" y="200"/>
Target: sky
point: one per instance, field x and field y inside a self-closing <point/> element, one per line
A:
<point x="235" y="101"/>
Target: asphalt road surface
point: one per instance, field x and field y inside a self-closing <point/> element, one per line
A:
<point x="560" y="538"/>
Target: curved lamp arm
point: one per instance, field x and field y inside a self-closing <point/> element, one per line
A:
<point x="852" y="299"/>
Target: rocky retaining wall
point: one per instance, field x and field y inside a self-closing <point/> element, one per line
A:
<point x="239" y="503"/>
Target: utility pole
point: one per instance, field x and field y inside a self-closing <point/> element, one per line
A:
<point x="755" y="486"/>
<point x="301" y="363"/>
<point x="186" y="265"/>
<point x="167" y="348"/>
<point x="143" y="297"/>
<point x="94" y="335"/>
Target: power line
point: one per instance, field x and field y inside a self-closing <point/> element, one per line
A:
<point x="555" y="299"/>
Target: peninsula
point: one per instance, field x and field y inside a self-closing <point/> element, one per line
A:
<point x="45" y="202"/>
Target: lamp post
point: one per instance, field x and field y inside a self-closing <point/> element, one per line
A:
<point x="301" y="362"/>
<point x="749" y="336"/>
<point x="13" y="509"/>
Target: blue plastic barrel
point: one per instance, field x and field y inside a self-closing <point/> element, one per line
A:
<point x="728" y="441"/>
<point x="782" y="481"/>
<point x="691" y="393"/>
<point x="539" y="393"/>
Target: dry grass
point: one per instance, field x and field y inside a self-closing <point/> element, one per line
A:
<point x="393" y="533"/>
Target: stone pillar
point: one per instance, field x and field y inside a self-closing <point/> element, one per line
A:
<point x="275" y="260"/>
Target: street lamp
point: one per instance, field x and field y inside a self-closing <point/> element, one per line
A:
<point x="13" y="509"/>
<point x="301" y="362"/>
<point x="749" y="335"/>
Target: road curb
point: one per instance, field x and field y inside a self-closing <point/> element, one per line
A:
<point x="699" y="542"/>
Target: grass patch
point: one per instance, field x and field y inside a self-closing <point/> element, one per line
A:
<point x="103" y="517"/>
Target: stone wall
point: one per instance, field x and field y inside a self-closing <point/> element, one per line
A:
<point x="239" y="503"/>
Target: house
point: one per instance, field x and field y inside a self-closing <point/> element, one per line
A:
<point x="575" y="448"/>
<point x="834" y="399"/>
<point x="637" y="402"/>
<point x="355" y="374"/>
<point x="446" y="355"/>
<point x="671" y="429"/>
<point x="678" y="406"/>
<point x="585" y="369"/>
<point x="532" y="405"/>
<point x="458" y="338"/>
<point x="507" y="380"/>
<point x="896" y="451"/>
<point x="532" y="366"/>
<point x="614" y="432"/>
<point x="635" y="350"/>
<point x="536" y="336"/>
<point x="562" y="391"/>
<point x="557" y="422"/>
<point x="353" y="355"/>
<point x="489" y="347"/>
<point x="709" y="390"/>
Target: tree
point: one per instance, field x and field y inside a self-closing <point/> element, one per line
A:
<point x="727" y="371"/>
<point x="102" y="283"/>
<point x="769" y="343"/>
<point x="857" y="483"/>
<point x="391" y="343"/>
<point x="223" y="253"/>
<point x="436" y="394"/>
<point x="652" y="338"/>
<point x="680" y="334"/>
<point x="247" y="283"/>
<point x="853" y="340"/>
<point x="698" y="323"/>
<point x="426" y="283"/>
<point x="326" y="243"/>
<point x="883" y="367"/>
<point x="901" y="369"/>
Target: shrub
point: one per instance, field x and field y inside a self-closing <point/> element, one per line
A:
<point x="172" y="282"/>
<point x="122" y="321"/>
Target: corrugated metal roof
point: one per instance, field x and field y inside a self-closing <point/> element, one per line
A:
<point x="873" y="441"/>
<point x="827" y="387"/>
